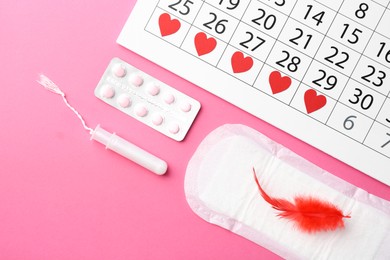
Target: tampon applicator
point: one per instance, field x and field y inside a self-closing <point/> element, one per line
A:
<point x="130" y="151"/>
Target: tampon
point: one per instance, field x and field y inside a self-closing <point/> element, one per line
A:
<point x="129" y="150"/>
<point x="112" y="141"/>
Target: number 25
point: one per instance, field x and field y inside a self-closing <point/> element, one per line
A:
<point x="185" y="5"/>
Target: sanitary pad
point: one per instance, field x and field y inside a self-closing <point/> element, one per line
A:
<point x="220" y="188"/>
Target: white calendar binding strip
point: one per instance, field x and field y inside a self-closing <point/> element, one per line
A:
<point x="319" y="71"/>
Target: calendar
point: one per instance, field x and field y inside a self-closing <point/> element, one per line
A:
<point x="319" y="70"/>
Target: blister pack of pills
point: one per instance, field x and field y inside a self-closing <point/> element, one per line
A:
<point x="146" y="99"/>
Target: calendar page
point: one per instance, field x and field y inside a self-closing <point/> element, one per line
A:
<point x="319" y="70"/>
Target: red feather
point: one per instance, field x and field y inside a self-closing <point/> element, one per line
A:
<point x="309" y="214"/>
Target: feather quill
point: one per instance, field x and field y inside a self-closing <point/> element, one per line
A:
<point x="309" y="214"/>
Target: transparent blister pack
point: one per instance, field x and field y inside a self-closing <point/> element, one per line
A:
<point x="147" y="99"/>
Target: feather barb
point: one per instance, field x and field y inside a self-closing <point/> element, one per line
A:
<point x="308" y="213"/>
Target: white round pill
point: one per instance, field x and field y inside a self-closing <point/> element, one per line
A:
<point x="169" y="98"/>
<point x="136" y="80"/>
<point x="174" y="128"/>
<point x="157" y="119"/>
<point x="124" y="100"/>
<point x="141" y="110"/>
<point x="107" y="91"/>
<point x="153" y="89"/>
<point x="119" y="70"/>
<point x="185" y="107"/>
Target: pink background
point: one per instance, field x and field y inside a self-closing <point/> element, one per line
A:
<point x="65" y="197"/>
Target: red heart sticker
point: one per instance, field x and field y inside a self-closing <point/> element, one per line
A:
<point x="278" y="83"/>
<point x="313" y="101"/>
<point x="168" y="25"/>
<point x="241" y="63"/>
<point x="203" y="44"/>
